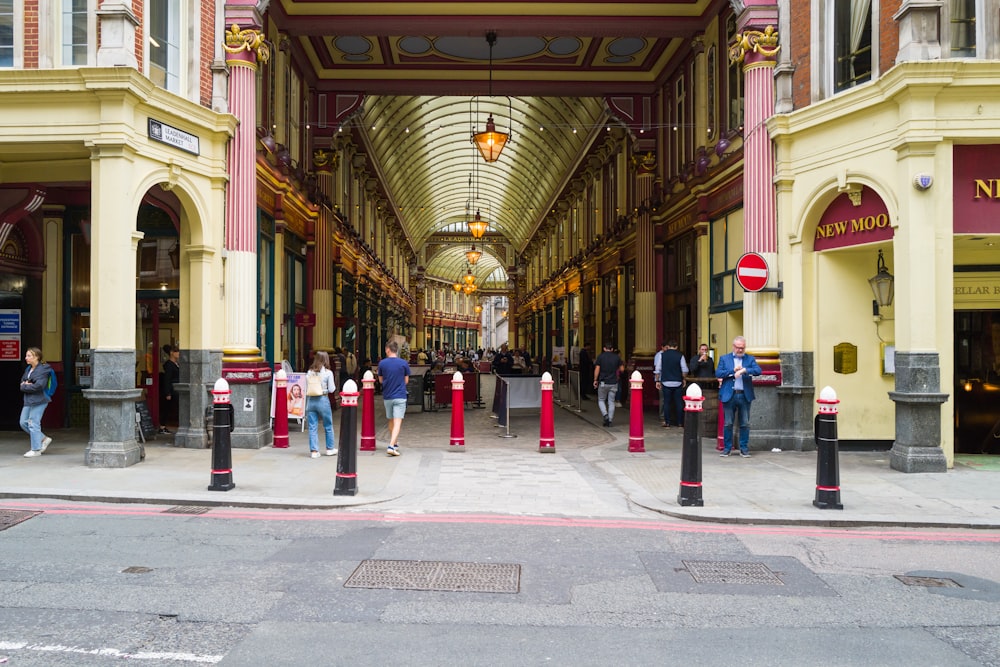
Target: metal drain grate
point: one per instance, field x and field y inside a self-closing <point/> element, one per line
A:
<point x="730" y="572"/>
<point x="10" y="518"/>
<point x="186" y="509"/>
<point x="928" y="582"/>
<point x="418" y="575"/>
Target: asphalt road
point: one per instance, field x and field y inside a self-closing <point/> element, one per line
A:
<point x="92" y="584"/>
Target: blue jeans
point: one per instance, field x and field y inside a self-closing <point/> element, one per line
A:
<point x="607" y="392"/>
<point x="31" y="423"/>
<point x="318" y="407"/>
<point x="738" y="404"/>
<point x="673" y="401"/>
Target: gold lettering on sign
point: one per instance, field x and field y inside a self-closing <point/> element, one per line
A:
<point x="987" y="187"/>
<point x="855" y="226"/>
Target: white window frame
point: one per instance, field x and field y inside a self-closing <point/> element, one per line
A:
<point x="59" y="45"/>
<point x="17" y="37"/>
<point x="823" y="75"/>
<point x="986" y="15"/>
<point x="175" y="80"/>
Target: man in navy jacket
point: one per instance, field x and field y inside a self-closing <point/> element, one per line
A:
<point x="735" y="372"/>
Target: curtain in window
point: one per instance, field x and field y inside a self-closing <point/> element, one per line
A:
<point x="860" y="9"/>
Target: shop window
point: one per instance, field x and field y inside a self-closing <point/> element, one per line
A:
<point x="7" y="33"/>
<point x="852" y="43"/>
<point x="725" y="248"/>
<point x="74" y="29"/>
<point x="164" y="44"/>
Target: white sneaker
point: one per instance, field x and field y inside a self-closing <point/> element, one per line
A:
<point x="331" y="452"/>
<point x="32" y="452"/>
<point x="392" y="451"/>
<point x="314" y="455"/>
<point x="45" y="443"/>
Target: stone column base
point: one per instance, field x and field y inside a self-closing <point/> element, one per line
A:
<point x="795" y="402"/>
<point x="914" y="458"/>
<point x="250" y="387"/>
<point x="112" y="442"/>
<point x="918" y="414"/>
<point x="199" y="371"/>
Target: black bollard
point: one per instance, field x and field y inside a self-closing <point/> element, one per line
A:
<point x="690" y="491"/>
<point x="347" y="456"/>
<point x="222" y="450"/>
<point x="827" y="452"/>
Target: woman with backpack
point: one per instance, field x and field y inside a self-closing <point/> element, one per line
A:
<point x="34" y="383"/>
<point x="319" y="386"/>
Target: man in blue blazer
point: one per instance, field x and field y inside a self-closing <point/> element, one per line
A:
<point x="735" y="372"/>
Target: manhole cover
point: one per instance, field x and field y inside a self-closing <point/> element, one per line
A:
<point x="10" y="518"/>
<point x="929" y="582"/>
<point x="730" y="572"/>
<point x="137" y="569"/>
<point x="186" y="509"/>
<point x="429" y="575"/>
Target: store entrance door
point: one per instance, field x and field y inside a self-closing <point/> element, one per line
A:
<point x="977" y="382"/>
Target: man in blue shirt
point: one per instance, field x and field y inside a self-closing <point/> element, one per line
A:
<point x="735" y="373"/>
<point x="393" y="375"/>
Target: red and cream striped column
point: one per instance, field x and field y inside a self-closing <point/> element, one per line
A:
<point x="243" y="48"/>
<point x="757" y="51"/>
<point x="243" y="366"/>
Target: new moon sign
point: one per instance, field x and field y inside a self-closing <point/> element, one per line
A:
<point x="751" y="272"/>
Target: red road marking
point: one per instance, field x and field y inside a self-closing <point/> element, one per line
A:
<point x="856" y="533"/>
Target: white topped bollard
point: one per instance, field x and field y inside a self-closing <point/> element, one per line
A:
<point x="827" y="452"/>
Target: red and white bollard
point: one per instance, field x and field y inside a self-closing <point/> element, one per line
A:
<point x="690" y="491"/>
<point x="281" y="409"/>
<point x="636" y="433"/>
<point x="367" y="412"/>
<point x="546" y="426"/>
<point x="827" y="452"/>
<point x="457" y="413"/>
<point x="223" y="423"/>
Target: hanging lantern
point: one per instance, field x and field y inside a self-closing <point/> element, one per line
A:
<point x="473" y="255"/>
<point x="478" y="226"/>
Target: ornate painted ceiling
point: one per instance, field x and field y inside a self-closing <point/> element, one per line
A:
<point x="430" y="79"/>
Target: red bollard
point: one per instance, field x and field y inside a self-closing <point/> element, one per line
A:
<point x="281" y="409"/>
<point x="546" y="426"/>
<point x="720" y="440"/>
<point x="367" y="413"/>
<point x="636" y="434"/>
<point x="458" y="412"/>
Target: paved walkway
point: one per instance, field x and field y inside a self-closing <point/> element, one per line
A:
<point x="591" y="474"/>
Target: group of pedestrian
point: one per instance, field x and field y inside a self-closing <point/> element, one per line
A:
<point x="734" y="374"/>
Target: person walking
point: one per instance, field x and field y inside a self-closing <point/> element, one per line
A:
<point x="319" y="385"/>
<point x="607" y="367"/>
<point x="669" y="369"/>
<point x="735" y="374"/>
<point x="34" y="380"/>
<point x="393" y="375"/>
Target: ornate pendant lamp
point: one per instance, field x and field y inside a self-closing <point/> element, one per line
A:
<point x="473" y="255"/>
<point x="490" y="143"/>
<point x="478" y="226"/>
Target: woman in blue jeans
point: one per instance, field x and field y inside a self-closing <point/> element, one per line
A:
<point x="318" y="407"/>
<point x="33" y="382"/>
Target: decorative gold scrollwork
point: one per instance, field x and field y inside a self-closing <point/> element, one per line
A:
<point x="754" y="41"/>
<point x="247" y="40"/>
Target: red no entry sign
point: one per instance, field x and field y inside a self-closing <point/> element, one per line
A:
<point x="751" y="272"/>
